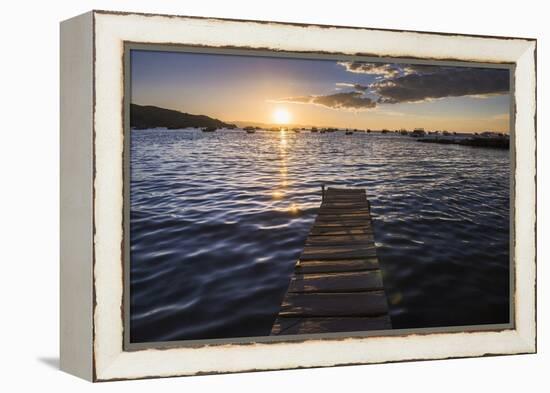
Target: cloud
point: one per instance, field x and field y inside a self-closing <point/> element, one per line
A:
<point x="351" y="101"/>
<point x="410" y="83"/>
<point x="420" y="69"/>
<point x="442" y="82"/>
<point x="355" y="86"/>
<point x="383" y="69"/>
<point x="389" y="70"/>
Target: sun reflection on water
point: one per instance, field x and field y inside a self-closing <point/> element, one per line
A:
<point x="284" y="182"/>
<point x="293" y="208"/>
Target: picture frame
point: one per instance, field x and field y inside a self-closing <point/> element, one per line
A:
<point x="94" y="215"/>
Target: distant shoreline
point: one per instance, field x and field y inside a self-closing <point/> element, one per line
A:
<point x="150" y="116"/>
<point x="496" y="141"/>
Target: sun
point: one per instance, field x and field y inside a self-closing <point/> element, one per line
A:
<point x="282" y="116"/>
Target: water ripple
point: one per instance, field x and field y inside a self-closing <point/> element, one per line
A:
<point x="218" y="220"/>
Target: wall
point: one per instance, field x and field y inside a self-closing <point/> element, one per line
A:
<point x="29" y="151"/>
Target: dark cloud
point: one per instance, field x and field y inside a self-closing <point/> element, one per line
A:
<point x="442" y="82"/>
<point x="389" y="70"/>
<point x="383" y="69"/>
<point x="352" y="101"/>
<point x="396" y="83"/>
<point x="421" y="69"/>
<point x="355" y="86"/>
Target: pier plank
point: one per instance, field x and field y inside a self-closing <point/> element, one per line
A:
<point x="343" y="216"/>
<point x="339" y="230"/>
<point x="347" y="200"/>
<point x="329" y="325"/>
<point x="337" y="284"/>
<point x="344" y="205"/>
<point x="344" y="210"/>
<point x="341" y="224"/>
<point x="335" y="240"/>
<point x="353" y="304"/>
<point x="346" y="251"/>
<point x="335" y="266"/>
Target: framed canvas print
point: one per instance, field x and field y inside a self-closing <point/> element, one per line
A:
<point x="246" y="195"/>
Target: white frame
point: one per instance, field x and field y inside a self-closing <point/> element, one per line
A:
<point x="92" y="229"/>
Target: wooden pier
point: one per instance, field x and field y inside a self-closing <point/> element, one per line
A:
<point x="337" y="284"/>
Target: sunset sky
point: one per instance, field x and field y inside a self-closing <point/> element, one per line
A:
<point x="323" y="92"/>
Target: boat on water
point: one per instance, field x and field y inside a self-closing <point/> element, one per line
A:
<point x="418" y="132"/>
<point x="349" y="132"/>
<point x="250" y="130"/>
<point x="209" y="129"/>
<point x="314" y="129"/>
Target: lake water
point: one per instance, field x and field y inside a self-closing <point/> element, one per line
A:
<point x="218" y="221"/>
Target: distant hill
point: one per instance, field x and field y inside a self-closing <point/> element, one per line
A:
<point x="142" y="117"/>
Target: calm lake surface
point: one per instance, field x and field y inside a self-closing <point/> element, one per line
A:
<point x="218" y="221"/>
